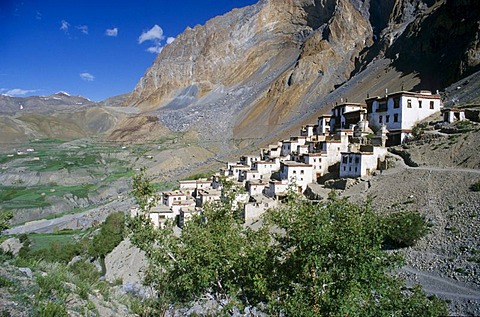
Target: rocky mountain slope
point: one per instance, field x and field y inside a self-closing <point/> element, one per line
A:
<point x="259" y="71"/>
<point x="56" y="116"/>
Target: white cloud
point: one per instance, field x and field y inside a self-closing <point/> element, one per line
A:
<point x="83" y="29"/>
<point x="64" y="26"/>
<point x="87" y="77"/>
<point x="154" y="34"/>
<point x="38" y="15"/>
<point x="111" y="32"/>
<point x="155" y="49"/>
<point x="17" y="92"/>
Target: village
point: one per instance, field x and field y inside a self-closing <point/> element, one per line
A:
<point x="350" y="142"/>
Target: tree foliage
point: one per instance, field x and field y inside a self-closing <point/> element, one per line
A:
<point x="110" y="235"/>
<point x="5" y="217"/>
<point x="305" y="260"/>
<point x="404" y="229"/>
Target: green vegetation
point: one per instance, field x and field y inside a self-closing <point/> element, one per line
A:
<point x="5" y="217"/>
<point x="63" y="246"/>
<point x="419" y="129"/>
<point x="207" y="174"/>
<point x="307" y="259"/>
<point x="22" y="197"/>
<point x="464" y="125"/>
<point x="58" y="279"/>
<point x="475" y="186"/>
<point x="404" y="229"/>
<point x="110" y="235"/>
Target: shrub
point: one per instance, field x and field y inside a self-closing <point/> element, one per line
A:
<point x="86" y="272"/>
<point x="5" y="282"/>
<point x="418" y="129"/>
<point x="110" y="235"/>
<point x="51" y="309"/>
<point x="404" y="229"/>
<point x="476" y="186"/>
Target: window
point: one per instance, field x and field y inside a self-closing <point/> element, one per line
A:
<point x="395" y="117"/>
<point x="396" y="103"/>
<point x="419" y="104"/>
<point x="380" y="119"/>
<point x="357" y="160"/>
<point x="350" y="159"/>
<point x="409" y="103"/>
<point x="387" y="118"/>
<point x="432" y="105"/>
<point x="301" y="172"/>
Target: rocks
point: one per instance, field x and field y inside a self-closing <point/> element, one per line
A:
<point x="27" y="271"/>
<point x="12" y="245"/>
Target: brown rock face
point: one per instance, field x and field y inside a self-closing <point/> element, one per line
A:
<point x="265" y="68"/>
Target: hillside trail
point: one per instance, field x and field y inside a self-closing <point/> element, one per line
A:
<point x="427" y="167"/>
<point x="441" y="286"/>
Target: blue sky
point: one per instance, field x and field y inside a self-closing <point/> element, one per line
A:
<point x="96" y="49"/>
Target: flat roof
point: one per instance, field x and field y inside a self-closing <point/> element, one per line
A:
<point x="418" y="94"/>
<point x="296" y="164"/>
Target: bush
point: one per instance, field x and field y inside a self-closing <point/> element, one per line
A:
<point x="476" y="186"/>
<point x="404" y="229"/>
<point x="51" y="309"/>
<point x="5" y="282"/>
<point x="86" y="272"/>
<point x="418" y="129"/>
<point x="110" y="235"/>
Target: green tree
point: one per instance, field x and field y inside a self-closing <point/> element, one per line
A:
<point x="144" y="191"/>
<point x="213" y="255"/>
<point x="306" y="259"/>
<point x="329" y="262"/>
<point x="5" y="217"/>
<point x="110" y="235"/>
<point x="404" y="229"/>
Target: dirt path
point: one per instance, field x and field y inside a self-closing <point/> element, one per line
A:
<point x="443" y="287"/>
<point x="80" y="220"/>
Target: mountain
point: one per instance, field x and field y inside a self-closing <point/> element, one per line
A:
<point x="57" y="116"/>
<point x="258" y="72"/>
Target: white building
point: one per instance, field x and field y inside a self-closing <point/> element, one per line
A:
<point x="289" y="146"/>
<point x="188" y="187"/>
<point x="207" y="196"/>
<point x="400" y="111"/>
<point x="277" y="189"/>
<point x="308" y="131"/>
<point x="298" y="173"/>
<point x="362" y="162"/>
<point x="346" y="114"/>
<point x="257" y="206"/>
<point x="169" y="198"/>
<point x="249" y="160"/>
<point x="250" y="175"/>
<point x="267" y="168"/>
<point x="256" y="188"/>
<point x="323" y="126"/>
<point x="236" y="171"/>
<point x="453" y="114"/>
<point x="319" y="164"/>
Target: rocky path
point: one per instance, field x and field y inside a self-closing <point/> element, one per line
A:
<point x="80" y="220"/>
<point x="441" y="286"/>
